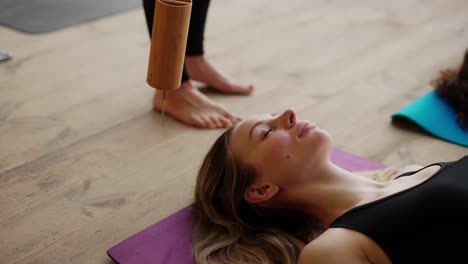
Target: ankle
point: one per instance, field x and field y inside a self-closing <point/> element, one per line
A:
<point x="195" y="57"/>
<point x="186" y="85"/>
<point x="195" y="61"/>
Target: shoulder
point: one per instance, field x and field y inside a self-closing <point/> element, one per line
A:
<point x="336" y="245"/>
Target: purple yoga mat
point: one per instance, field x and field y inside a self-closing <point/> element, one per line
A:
<point x="168" y="240"/>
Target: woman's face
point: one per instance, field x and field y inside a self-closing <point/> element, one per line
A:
<point x="283" y="150"/>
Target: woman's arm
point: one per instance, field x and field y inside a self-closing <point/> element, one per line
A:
<point x="333" y="247"/>
<point x="342" y="245"/>
<point x="327" y="255"/>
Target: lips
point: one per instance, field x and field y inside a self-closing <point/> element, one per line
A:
<point x="302" y="127"/>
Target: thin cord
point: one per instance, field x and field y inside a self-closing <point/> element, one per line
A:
<point x="163" y="108"/>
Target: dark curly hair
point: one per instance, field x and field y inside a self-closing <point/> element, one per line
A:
<point x="452" y="86"/>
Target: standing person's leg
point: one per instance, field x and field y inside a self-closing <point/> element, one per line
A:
<point x="186" y="103"/>
<point x="198" y="68"/>
<point x="149" y="8"/>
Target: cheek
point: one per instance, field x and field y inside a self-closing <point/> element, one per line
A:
<point x="278" y="148"/>
<point x="275" y="158"/>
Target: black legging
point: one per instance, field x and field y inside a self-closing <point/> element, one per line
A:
<point x="196" y="29"/>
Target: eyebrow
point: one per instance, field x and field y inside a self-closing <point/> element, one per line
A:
<point x="253" y="127"/>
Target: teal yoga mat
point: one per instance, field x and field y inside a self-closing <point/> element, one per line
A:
<point x="40" y="16"/>
<point x="434" y="116"/>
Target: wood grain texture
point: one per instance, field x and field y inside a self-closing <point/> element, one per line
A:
<point x="85" y="163"/>
<point x="168" y="44"/>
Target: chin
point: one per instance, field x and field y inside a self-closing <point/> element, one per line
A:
<point x="324" y="142"/>
<point x="321" y="136"/>
<point x="320" y="143"/>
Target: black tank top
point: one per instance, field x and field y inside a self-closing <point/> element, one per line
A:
<point x="426" y="223"/>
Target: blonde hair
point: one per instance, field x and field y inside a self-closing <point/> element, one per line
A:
<point x="381" y="175"/>
<point x="228" y="229"/>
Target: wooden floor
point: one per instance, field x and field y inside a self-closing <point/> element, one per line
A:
<point x="85" y="163"/>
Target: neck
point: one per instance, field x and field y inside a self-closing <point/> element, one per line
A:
<point x="334" y="192"/>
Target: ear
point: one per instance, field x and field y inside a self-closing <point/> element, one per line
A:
<point x="260" y="192"/>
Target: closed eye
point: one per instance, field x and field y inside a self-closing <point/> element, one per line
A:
<point x="267" y="132"/>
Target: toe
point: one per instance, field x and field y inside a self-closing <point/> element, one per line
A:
<point x="215" y="119"/>
<point x="222" y="110"/>
<point x="233" y="118"/>
<point x="246" y="90"/>
<point x="196" y="121"/>
<point x="238" y="89"/>
<point x="208" y="122"/>
<point x="226" y="121"/>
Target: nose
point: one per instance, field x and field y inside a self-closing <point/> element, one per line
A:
<point x="287" y="119"/>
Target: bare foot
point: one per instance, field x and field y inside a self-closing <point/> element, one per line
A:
<point x="191" y="107"/>
<point x="201" y="70"/>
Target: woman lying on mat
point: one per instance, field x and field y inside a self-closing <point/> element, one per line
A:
<point x="267" y="192"/>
